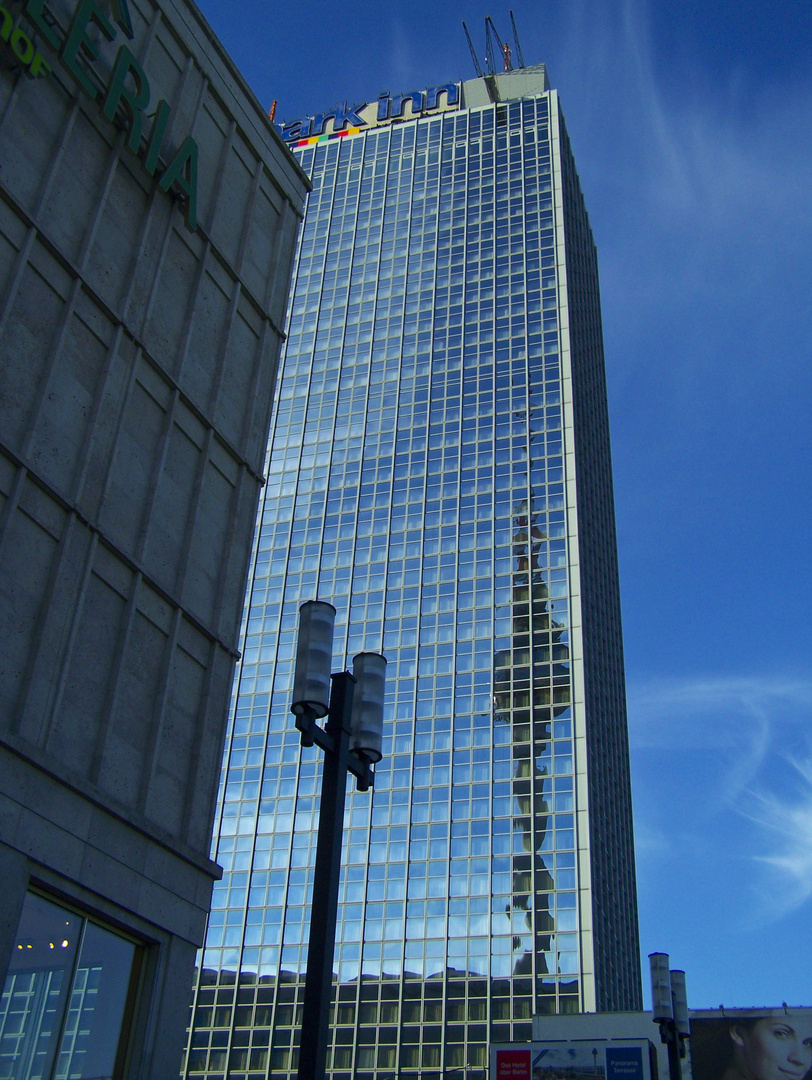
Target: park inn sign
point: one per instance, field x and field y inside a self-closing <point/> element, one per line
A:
<point x="347" y="120"/>
<point x="127" y="87"/>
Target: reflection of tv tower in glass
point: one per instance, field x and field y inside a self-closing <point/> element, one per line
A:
<point x="522" y="675"/>
<point x="442" y="456"/>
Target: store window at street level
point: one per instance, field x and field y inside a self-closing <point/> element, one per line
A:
<point x="66" y="997"/>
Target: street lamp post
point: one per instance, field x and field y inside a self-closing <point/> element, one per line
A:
<point x="351" y="740"/>
<point x="669" y="1001"/>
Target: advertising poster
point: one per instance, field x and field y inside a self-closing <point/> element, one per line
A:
<point x="582" y="1059"/>
<point x="753" y="1044"/>
<point x="513" y="1065"/>
<point x="568" y="1061"/>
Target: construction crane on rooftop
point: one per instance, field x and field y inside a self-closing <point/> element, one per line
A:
<point x="519" y="56"/>
<point x="491" y="36"/>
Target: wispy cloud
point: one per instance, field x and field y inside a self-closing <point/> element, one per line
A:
<point x="401" y="58"/>
<point x="714" y="169"/>
<point x="724" y="725"/>
<point x="788" y="822"/>
<point x="650" y="841"/>
<point x="663" y="712"/>
<point x="749" y="744"/>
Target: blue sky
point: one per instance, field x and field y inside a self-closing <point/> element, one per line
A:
<point x="691" y="126"/>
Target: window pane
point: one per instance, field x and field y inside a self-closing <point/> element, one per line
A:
<point x="54" y="997"/>
<point x="99" y="996"/>
<point x="36" y="988"/>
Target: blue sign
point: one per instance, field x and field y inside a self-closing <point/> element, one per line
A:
<point x="624" y="1063"/>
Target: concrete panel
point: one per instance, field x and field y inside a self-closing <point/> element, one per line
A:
<point x="137" y="362"/>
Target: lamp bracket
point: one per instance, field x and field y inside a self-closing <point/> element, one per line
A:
<point x="311" y="734"/>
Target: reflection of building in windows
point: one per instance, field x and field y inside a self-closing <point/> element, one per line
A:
<point x="438" y="470"/>
<point x="68" y="990"/>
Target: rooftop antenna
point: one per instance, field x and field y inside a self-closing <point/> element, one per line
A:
<point x="477" y="66"/>
<point x="504" y="48"/>
<point x="489" y="57"/>
<point x="519" y="56"/>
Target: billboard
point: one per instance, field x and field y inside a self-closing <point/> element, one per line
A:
<point x="752" y="1044"/>
<point x="581" y="1060"/>
<point x="513" y="1064"/>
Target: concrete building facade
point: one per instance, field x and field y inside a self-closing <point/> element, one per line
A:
<point x="148" y="216"/>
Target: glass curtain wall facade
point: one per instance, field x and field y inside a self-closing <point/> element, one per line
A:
<point x="423" y="477"/>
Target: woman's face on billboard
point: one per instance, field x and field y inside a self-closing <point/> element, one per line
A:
<point x="774" y="1049"/>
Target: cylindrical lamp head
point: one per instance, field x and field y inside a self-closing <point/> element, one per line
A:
<point x="314" y="658"/>
<point x="369" y="671"/>
<point x="680" y="995"/>
<point x="660" y="987"/>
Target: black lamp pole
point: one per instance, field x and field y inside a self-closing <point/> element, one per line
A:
<point x="334" y="740"/>
<point x="351" y="740"/>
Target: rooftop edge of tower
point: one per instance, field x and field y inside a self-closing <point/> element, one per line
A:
<point x="505" y="86"/>
<point x="399" y="108"/>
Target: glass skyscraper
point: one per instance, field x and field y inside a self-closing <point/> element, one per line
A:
<point x="440" y="472"/>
